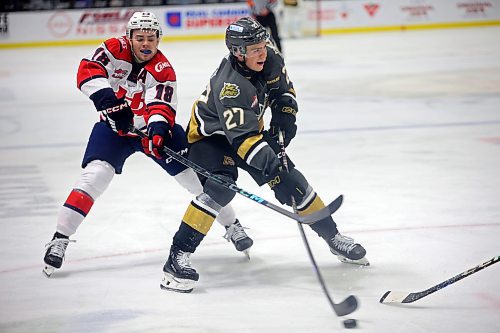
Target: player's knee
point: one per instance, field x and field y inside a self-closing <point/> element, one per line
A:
<point x="95" y="178"/>
<point x="189" y="181"/>
<point x="219" y="193"/>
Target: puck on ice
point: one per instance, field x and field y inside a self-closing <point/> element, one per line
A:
<point x="350" y="323"/>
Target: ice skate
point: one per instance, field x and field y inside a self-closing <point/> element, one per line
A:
<point x="54" y="254"/>
<point x="347" y="250"/>
<point x="237" y="235"/>
<point x="178" y="274"/>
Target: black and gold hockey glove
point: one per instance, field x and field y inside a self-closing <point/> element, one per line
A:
<point x="284" y="110"/>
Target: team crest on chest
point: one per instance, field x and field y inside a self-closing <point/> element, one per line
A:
<point x="119" y="73"/>
<point x="230" y="90"/>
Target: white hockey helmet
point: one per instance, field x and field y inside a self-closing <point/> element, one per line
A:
<point x="143" y="21"/>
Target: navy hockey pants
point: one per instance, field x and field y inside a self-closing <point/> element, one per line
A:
<point x="106" y="145"/>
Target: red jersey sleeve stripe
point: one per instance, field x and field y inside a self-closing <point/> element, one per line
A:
<point x="163" y="109"/>
<point x="89" y="70"/>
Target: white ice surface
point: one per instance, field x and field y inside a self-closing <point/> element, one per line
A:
<point x="406" y="125"/>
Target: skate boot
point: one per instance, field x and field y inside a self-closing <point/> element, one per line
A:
<point x="347" y="250"/>
<point x="236" y="233"/>
<point x="54" y="253"/>
<point x="178" y="274"/>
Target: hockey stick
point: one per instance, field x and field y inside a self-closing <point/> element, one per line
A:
<point x="350" y="304"/>
<point x="405" y="297"/>
<point x="306" y="219"/>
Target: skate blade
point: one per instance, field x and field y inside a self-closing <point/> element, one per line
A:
<point x="48" y="270"/>
<point x="360" y="262"/>
<point x="171" y="283"/>
<point x="247" y="253"/>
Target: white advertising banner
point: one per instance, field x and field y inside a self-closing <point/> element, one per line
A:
<point x="338" y="15"/>
<point x="65" y="27"/>
<point x="99" y="24"/>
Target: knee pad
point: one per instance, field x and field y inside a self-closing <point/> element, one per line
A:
<point x="227" y="215"/>
<point x="95" y="178"/>
<point x="189" y="181"/>
<point x="219" y="193"/>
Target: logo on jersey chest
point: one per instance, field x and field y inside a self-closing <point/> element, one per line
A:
<point x="119" y="73"/>
<point x="161" y="65"/>
<point x="230" y="90"/>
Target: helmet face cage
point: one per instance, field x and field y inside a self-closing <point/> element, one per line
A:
<point x="246" y="31"/>
<point x="143" y="21"/>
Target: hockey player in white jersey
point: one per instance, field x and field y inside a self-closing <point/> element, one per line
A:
<point x="131" y="83"/>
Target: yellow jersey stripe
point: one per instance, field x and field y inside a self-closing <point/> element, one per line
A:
<point x="248" y="144"/>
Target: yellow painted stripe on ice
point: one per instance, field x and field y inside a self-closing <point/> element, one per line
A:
<point x="448" y="25"/>
<point x="59" y="43"/>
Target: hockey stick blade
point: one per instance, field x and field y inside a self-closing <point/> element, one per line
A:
<point x="406" y="297"/>
<point x="347" y="306"/>
<point x="322" y="213"/>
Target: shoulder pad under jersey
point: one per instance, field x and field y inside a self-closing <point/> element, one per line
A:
<point x="160" y="68"/>
<point x="273" y="66"/>
<point x="119" y="48"/>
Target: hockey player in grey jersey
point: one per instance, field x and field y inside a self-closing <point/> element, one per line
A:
<point x="226" y="132"/>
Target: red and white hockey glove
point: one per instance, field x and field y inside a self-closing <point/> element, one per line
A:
<point x="159" y="134"/>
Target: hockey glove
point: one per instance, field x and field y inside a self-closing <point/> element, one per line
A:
<point x="119" y="116"/>
<point x="159" y="134"/>
<point x="287" y="184"/>
<point x="284" y="110"/>
<point x="286" y="123"/>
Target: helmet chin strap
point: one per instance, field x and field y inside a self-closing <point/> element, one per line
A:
<point x="242" y="67"/>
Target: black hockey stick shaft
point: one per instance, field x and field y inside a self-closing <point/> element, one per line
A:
<point x="306" y="219"/>
<point x="400" y="297"/>
<point x="350" y="304"/>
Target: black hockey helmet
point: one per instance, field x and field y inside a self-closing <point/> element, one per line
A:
<point x="243" y="32"/>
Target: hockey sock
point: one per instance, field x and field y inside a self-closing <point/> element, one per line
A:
<point x="74" y="210"/>
<point x="325" y="228"/>
<point x="93" y="181"/>
<point x="197" y="221"/>
<point x="187" y="238"/>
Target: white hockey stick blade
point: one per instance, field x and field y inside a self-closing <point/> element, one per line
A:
<point x="395" y="297"/>
<point x="402" y="297"/>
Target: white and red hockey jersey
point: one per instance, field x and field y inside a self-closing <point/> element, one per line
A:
<point x="149" y="88"/>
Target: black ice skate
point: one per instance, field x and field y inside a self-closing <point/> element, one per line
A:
<point x="236" y="233"/>
<point x="178" y="274"/>
<point x="54" y="254"/>
<point x="347" y="250"/>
